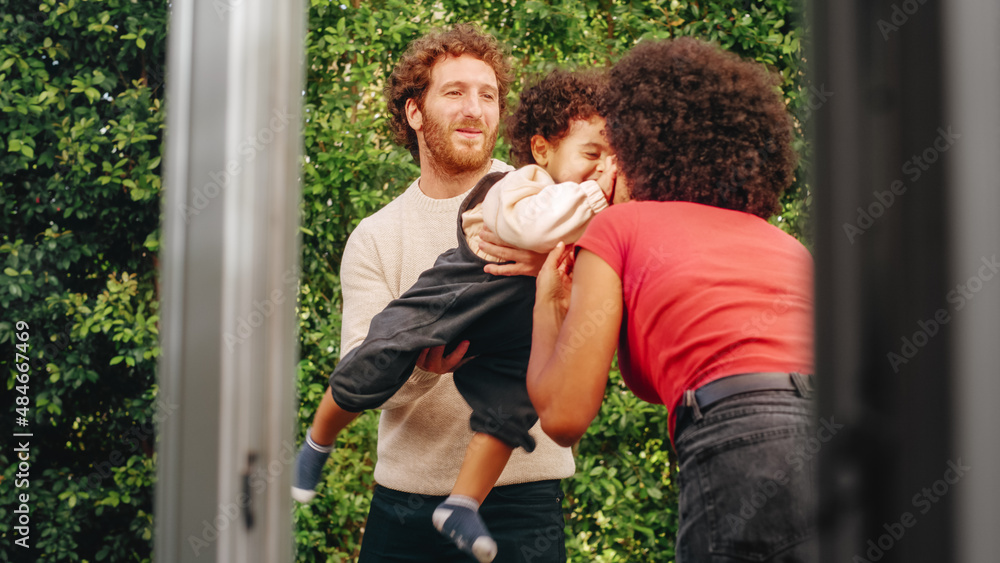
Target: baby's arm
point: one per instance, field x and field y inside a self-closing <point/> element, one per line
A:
<point x="527" y="209"/>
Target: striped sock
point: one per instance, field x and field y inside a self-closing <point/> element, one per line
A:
<point x="457" y="518"/>
<point x="309" y="468"/>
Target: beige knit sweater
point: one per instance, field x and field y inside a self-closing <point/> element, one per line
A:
<point x="424" y="428"/>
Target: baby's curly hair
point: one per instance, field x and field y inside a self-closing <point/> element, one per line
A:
<point x="547" y="108"/>
<point x="412" y="75"/>
<point x="691" y="122"/>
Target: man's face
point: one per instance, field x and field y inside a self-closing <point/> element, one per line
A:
<point x="460" y="115"/>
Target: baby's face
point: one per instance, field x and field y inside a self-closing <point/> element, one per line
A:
<point x="581" y="154"/>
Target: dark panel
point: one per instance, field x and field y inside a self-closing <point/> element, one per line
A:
<point x="883" y="317"/>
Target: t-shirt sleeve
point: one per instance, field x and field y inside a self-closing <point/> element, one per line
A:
<point x="605" y="236"/>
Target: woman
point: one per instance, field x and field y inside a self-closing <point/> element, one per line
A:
<point x="709" y="305"/>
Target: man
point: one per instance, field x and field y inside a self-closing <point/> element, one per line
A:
<point x="445" y="99"/>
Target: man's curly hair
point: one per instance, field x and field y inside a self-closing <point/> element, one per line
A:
<point x="412" y="75"/>
<point x="691" y="122"/>
<point x="547" y="108"/>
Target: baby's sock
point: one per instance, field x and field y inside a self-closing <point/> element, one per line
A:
<point x="309" y="468"/>
<point x="457" y="518"/>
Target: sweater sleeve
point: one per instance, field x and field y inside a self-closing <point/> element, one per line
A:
<point x="527" y="209"/>
<point x="365" y="293"/>
<point x="364" y="288"/>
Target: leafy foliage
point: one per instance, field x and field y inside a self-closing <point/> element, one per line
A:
<point x="80" y="95"/>
<point x="80" y="140"/>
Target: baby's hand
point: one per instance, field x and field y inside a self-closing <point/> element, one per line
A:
<point x="607" y="178"/>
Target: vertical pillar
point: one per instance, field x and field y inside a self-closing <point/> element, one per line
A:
<point x="230" y="280"/>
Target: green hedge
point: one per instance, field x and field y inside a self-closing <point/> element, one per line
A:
<point x="80" y="135"/>
<point x="81" y="90"/>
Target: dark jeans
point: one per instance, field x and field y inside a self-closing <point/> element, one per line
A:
<point x="747" y="483"/>
<point x="526" y="521"/>
<point x="453" y="301"/>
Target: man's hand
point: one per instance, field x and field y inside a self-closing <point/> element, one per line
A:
<point x="523" y="262"/>
<point x="434" y="360"/>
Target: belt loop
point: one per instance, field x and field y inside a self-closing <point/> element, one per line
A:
<point x="803" y="384"/>
<point x="692" y="402"/>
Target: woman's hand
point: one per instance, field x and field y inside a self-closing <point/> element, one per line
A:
<point x="522" y="262"/>
<point x="608" y="177"/>
<point x="555" y="280"/>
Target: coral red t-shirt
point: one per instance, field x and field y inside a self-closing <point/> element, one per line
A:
<point x="708" y="292"/>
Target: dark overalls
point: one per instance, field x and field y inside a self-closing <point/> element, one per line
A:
<point x="453" y="301"/>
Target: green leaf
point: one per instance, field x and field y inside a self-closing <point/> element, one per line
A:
<point x="116" y="360"/>
<point x="11" y="272"/>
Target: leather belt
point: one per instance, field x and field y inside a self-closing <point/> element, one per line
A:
<point x="707" y="395"/>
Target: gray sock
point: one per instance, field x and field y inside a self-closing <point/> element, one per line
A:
<point x="309" y="468"/>
<point x="457" y="518"/>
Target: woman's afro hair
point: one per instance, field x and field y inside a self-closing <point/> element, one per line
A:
<point x="691" y="122"/>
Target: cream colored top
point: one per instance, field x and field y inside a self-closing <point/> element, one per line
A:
<point x="529" y="210"/>
<point x="424" y="428"/>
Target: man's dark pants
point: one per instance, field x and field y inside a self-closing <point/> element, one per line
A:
<point x="526" y="521"/>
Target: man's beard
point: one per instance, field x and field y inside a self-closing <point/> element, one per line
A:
<point x="450" y="158"/>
